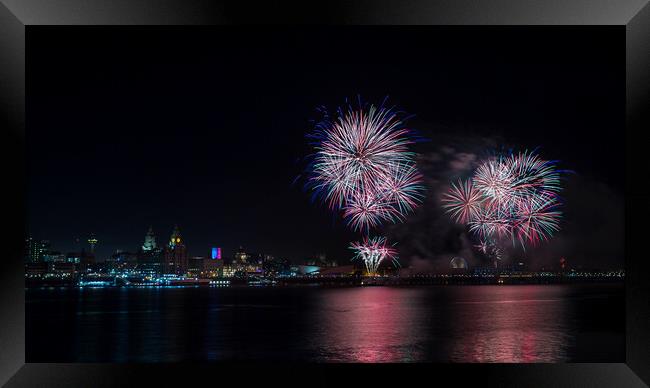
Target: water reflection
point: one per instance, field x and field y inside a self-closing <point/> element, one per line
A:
<point x="510" y="324"/>
<point x="369" y="325"/>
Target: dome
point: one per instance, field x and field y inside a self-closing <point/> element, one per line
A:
<point x="458" y="262"/>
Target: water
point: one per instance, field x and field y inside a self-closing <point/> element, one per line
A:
<point x="523" y="323"/>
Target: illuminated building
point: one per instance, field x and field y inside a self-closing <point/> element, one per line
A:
<point x="30" y="255"/>
<point x="240" y="257"/>
<point x="175" y="256"/>
<point x="121" y="261"/>
<point x="35" y="269"/>
<point x="150" y="257"/>
<point x="35" y="251"/>
<point x="42" y="248"/>
<point x="458" y="265"/>
<point x="67" y="269"/>
<point x="244" y="264"/>
<point x="92" y="241"/>
<point x="213" y="267"/>
<point x="87" y="260"/>
<point x="195" y="265"/>
<point x="73" y="257"/>
<point x="302" y="270"/>
<point x="488" y="270"/>
<point x="53" y="256"/>
<point x="321" y="261"/>
<point x="276" y="266"/>
<point x="337" y="271"/>
<point x="149" y="241"/>
<point x="216" y="253"/>
<point x="229" y="270"/>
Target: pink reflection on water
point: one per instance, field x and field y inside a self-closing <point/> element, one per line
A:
<point x="368" y="325"/>
<point x="457" y="324"/>
<point x="510" y="325"/>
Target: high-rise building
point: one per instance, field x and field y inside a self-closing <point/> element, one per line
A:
<point x="92" y="241"/>
<point x="42" y="248"/>
<point x="30" y="250"/>
<point x="176" y="260"/>
<point x="216" y="253"/>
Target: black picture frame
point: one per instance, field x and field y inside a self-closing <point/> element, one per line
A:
<point x="16" y="16"/>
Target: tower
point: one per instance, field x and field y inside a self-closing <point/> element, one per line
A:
<point x="150" y="257"/>
<point x="176" y="260"/>
<point x="149" y="241"/>
<point x="92" y="241"/>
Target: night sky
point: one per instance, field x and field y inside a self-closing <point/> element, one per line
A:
<point x="205" y="128"/>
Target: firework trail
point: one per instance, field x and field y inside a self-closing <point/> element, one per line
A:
<point x="362" y="168"/>
<point x="511" y="197"/>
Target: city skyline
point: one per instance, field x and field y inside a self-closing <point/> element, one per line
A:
<point x="183" y="135"/>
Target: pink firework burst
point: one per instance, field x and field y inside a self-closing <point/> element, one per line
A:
<point x="462" y="201"/>
<point x="373" y="251"/>
<point x="363" y="167"/>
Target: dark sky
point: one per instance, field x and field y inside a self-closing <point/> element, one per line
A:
<point x="204" y="127"/>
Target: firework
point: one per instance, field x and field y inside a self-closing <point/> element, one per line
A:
<point x="403" y="187"/>
<point x="537" y="218"/>
<point x="369" y="209"/>
<point x="463" y="202"/>
<point x="494" y="180"/>
<point x="511" y="197"/>
<point x="362" y="166"/>
<point x="373" y="251"/>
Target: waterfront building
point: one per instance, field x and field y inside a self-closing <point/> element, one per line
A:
<point x="54" y="256"/>
<point x="229" y="268"/>
<point x="150" y="256"/>
<point x="195" y="266"/>
<point x="73" y="257"/>
<point x="149" y="241"/>
<point x="337" y="271"/>
<point x="43" y="248"/>
<point x="240" y="257"/>
<point x="30" y="250"/>
<point x="244" y="264"/>
<point x="275" y="266"/>
<point x="175" y="255"/>
<point x="92" y="242"/>
<point x="64" y="269"/>
<point x="34" y="251"/>
<point x="458" y="266"/>
<point x="302" y="270"/>
<point x="216" y="253"/>
<point x="213" y="267"/>
<point x="121" y="261"/>
<point x="488" y="270"/>
<point x="87" y="258"/>
<point x="34" y="269"/>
